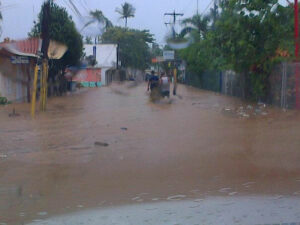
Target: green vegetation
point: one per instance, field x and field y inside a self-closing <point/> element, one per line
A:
<point x="62" y="29"/>
<point x="3" y="100"/>
<point x="241" y="35"/>
<point x="134" y="50"/>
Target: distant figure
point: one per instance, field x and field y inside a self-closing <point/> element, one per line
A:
<point x="165" y="85"/>
<point x="153" y="81"/>
<point x="148" y="76"/>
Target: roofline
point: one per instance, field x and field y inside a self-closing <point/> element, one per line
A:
<point x="16" y="52"/>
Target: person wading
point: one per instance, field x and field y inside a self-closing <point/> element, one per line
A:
<point x="165" y="85"/>
<point x="153" y="85"/>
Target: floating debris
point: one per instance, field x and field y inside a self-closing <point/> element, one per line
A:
<point x="103" y="144"/>
<point x="248" y="183"/>
<point x="224" y="190"/>
<point x="3" y="156"/>
<point x="195" y="206"/>
<point x="124" y="128"/>
<point x="176" y="197"/>
<point x="135" y="198"/>
<point x="42" y="214"/>
<point x="13" y="114"/>
<point x="232" y="193"/>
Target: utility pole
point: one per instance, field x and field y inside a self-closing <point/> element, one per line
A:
<point x="197" y="7"/>
<point x="296" y="12"/>
<point x="45" y="47"/>
<point x="174" y="15"/>
<point x="44" y="68"/>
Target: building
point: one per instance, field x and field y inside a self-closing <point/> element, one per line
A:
<point x="87" y="77"/>
<point x="106" y="58"/>
<point x="17" y="62"/>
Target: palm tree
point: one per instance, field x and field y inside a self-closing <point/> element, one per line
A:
<point x="98" y="17"/>
<point x="126" y="11"/>
<point x="197" y="23"/>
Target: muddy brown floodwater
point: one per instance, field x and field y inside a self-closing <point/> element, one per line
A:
<point x="111" y="146"/>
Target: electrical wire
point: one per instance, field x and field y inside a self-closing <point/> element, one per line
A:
<point x="207" y="7"/>
<point x="84" y="7"/>
<point x="188" y="6"/>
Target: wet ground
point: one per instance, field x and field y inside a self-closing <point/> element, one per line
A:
<point x="111" y="147"/>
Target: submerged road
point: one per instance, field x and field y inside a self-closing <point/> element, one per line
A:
<point x="112" y="147"/>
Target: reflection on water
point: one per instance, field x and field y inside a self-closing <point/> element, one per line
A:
<point x="173" y="148"/>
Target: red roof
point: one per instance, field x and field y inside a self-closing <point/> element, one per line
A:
<point x="27" y="46"/>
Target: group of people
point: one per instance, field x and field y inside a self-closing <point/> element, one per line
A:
<point x="159" y="85"/>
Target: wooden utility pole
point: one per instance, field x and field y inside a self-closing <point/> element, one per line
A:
<point x="174" y="15"/>
<point x="45" y="46"/>
<point x="44" y="68"/>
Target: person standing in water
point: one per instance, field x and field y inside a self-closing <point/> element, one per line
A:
<point x="153" y="81"/>
<point x="165" y="84"/>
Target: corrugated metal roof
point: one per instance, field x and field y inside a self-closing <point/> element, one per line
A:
<point x="27" y="47"/>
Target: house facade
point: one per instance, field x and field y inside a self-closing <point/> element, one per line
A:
<point x="17" y="62"/>
<point x="88" y="77"/>
<point x="106" y="56"/>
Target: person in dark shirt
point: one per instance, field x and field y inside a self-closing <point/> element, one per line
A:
<point x="153" y="81"/>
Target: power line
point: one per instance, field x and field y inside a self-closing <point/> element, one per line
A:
<point x="85" y="7"/>
<point x="187" y="6"/>
<point x="212" y="1"/>
<point x="174" y="15"/>
<point x="75" y="8"/>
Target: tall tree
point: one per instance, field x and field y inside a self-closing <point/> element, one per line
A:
<point x="197" y="24"/>
<point x="126" y="11"/>
<point x="134" y="50"/>
<point x="246" y="38"/>
<point x="61" y="29"/>
<point x="97" y="16"/>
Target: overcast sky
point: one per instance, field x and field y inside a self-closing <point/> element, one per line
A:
<point x="18" y="15"/>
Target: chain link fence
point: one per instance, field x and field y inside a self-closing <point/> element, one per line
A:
<point x="282" y="82"/>
<point x="283" y="85"/>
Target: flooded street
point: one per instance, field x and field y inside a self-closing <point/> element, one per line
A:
<point x="112" y="147"/>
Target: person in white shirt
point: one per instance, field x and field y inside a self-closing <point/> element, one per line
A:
<point x="165" y="83"/>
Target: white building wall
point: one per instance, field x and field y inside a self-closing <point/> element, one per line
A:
<point x="106" y="54"/>
<point x="106" y="57"/>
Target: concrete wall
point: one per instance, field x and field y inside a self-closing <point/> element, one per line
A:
<point x="106" y="54"/>
<point x="136" y="74"/>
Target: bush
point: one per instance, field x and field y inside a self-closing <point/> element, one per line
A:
<point x="3" y="101"/>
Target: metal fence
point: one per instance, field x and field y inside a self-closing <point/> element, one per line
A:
<point x="283" y="85"/>
<point x="226" y="82"/>
<point x="282" y="91"/>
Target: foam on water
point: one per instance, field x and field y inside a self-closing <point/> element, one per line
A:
<point x="213" y="210"/>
